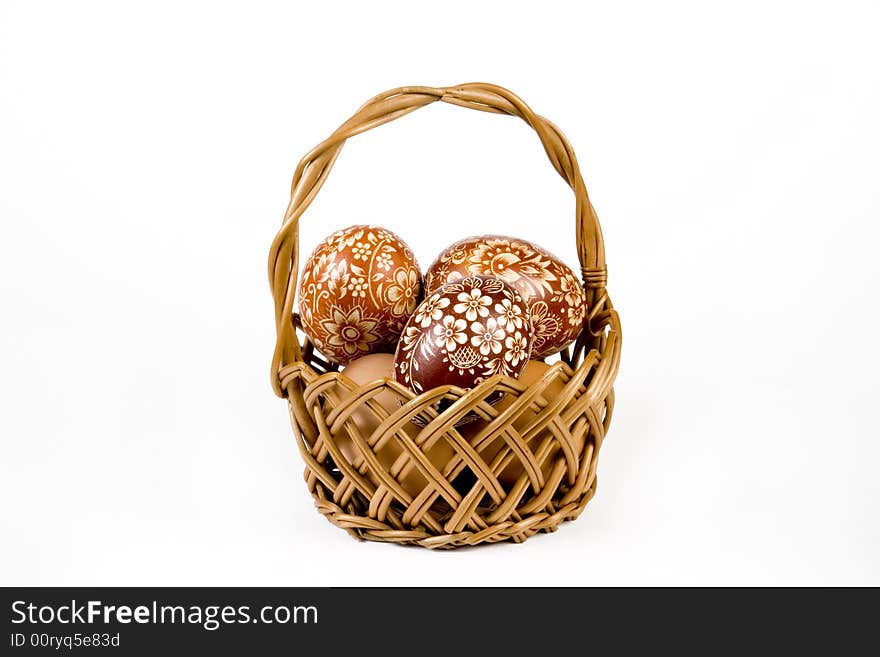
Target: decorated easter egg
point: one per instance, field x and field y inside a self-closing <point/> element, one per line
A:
<point x="363" y="371"/>
<point x="554" y="294"/>
<point x="463" y="333"/>
<point x="357" y="290"/>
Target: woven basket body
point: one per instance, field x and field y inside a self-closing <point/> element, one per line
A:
<point x="555" y="438"/>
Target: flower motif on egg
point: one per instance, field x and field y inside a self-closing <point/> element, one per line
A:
<point x="403" y="292"/>
<point x="431" y="310"/>
<point x="362" y="251"/>
<point x="384" y="261"/>
<point x="511" y="314"/>
<point x="487" y="337"/>
<point x="517" y="348"/>
<point x="451" y="333"/>
<point x="554" y="295"/>
<point x="356" y="292"/>
<point x="472" y="303"/>
<point x="350" y="331"/>
<point x="463" y="333"/>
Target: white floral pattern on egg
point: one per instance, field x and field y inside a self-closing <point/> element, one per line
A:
<point x="357" y="290"/>
<point x="464" y="333"/>
<point x="555" y="296"/>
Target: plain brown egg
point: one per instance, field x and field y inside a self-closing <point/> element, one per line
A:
<point x="533" y="371"/>
<point x="366" y="370"/>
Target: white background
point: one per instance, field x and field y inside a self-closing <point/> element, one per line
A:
<point x="145" y="157"/>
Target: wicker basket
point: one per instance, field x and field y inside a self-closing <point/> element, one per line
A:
<point x="462" y="503"/>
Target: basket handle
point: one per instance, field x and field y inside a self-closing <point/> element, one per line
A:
<point x="313" y="169"/>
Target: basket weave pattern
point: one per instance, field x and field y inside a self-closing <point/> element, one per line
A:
<point x="556" y="438"/>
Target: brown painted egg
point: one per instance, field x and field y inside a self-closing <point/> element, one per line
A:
<point x="553" y="292"/>
<point x="357" y="290"/>
<point x="462" y="334"/>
